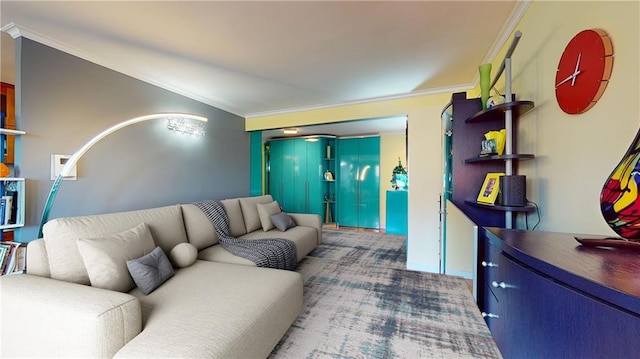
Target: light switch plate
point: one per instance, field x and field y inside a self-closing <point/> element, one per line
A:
<point x="57" y="162"/>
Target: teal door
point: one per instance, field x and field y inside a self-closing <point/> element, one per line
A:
<point x="296" y="174"/>
<point x="359" y="182"/>
<point x="282" y="164"/>
<point x="369" y="182"/>
<point x="300" y="176"/>
<point x="347" y="182"/>
<point x="315" y="172"/>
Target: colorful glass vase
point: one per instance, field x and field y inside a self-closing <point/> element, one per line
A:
<point x="485" y="82"/>
<point x="619" y="200"/>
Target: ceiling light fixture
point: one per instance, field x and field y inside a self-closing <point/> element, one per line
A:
<point x="290" y="131"/>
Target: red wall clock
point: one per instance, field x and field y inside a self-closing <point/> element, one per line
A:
<point x="584" y="71"/>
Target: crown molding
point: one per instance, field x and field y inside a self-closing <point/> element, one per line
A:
<point x="16" y="30"/>
<point x="434" y="91"/>
<point x="507" y="29"/>
<point x="11" y="29"/>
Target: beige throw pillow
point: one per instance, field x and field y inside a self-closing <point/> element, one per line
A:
<point x="250" y="210"/>
<point x="106" y="257"/>
<point x="183" y="255"/>
<point x="265" y="211"/>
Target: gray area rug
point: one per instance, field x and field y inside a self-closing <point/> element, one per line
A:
<point x="360" y="302"/>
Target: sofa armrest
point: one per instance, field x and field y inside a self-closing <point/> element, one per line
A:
<point x="42" y="317"/>
<point x="37" y="259"/>
<point x="308" y="220"/>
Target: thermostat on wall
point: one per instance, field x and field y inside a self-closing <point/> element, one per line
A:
<point x="57" y="162"/>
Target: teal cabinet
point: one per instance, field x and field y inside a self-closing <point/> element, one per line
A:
<point x="397" y="208"/>
<point x="358" y="182"/>
<point x="295" y="172"/>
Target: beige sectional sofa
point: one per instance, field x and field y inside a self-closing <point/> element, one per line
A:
<point x="215" y="306"/>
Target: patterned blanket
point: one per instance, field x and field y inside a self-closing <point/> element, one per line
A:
<point x="271" y="253"/>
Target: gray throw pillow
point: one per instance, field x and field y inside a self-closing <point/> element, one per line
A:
<point x="150" y="271"/>
<point x="282" y="221"/>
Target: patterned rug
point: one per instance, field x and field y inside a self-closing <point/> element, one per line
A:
<point x="360" y="302"/>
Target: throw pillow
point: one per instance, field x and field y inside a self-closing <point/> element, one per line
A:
<point x="105" y="257"/>
<point x="151" y="270"/>
<point x="283" y="221"/>
<point x="265" y="211"/>
<point x="250" y="210"/>
<point x="183" y="255"/>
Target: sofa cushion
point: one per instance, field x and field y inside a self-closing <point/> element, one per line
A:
<point x="265" y="211"/>
<point x="305" y="238"/>
<point x="250" y="211"/>
<point x="61" y="234"/>
<point x="217" y="310"/>
<point x="150" y="270"/>
<point x="200" y="230"/>
<point x="183" y="255"/>
<point x="217" y="253"/>
<point x="282" y="221"/>
<point x="106" y="257"/>
<point x="234" y="213"/>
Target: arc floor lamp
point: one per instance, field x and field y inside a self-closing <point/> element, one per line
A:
<point x="185" y="123"/>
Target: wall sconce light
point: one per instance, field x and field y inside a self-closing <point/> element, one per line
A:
<point x="185" y="123"/>
<point x="186" y="126"/>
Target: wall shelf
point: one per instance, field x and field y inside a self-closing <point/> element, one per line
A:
<point x="500" y="158"/>
<point x="497" y="207"/>
<point x="7" y="131"/>
<point x="518" y="108"/>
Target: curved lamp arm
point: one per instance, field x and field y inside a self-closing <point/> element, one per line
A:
<point x="82" y="150"/>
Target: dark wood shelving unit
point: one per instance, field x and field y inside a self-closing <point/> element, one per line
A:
<point x="497" y="207"/>
<point x="499" y="158"/>
<point x="518" y="108"/>
<point x="470" y="123"/>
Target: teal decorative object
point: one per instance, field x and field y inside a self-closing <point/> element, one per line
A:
<point x="485" y="74"/>
<point x="399" y="177"/>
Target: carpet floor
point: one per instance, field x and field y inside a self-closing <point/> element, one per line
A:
<point x="360" y="302"/>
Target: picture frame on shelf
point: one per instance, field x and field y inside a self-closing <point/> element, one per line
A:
<point x="490" y="188"/>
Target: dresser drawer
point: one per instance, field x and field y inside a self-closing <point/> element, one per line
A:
<point x="541" y="318"/>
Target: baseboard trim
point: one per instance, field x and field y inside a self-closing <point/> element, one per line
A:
<point x="422" y="268"/>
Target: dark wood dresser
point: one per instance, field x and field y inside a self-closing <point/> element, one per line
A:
<point x="544" y="295"/>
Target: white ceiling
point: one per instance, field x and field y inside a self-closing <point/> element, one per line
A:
<point x="259" y="57"/>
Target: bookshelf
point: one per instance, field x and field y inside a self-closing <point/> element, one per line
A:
<point x="15" y="189"/>
<point x="12" y="189"/>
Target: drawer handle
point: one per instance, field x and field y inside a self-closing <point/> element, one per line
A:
<point x="489" y="264"/>
<point x="490" y="315"/>
<point x="502" y="285"/>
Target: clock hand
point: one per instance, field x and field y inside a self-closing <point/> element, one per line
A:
<point x="570" y="77"/>
<point x="576" y="71"/>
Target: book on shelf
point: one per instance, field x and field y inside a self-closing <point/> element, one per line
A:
<point x="14" y="212"/>
<point x="10" y="256"/>
<point x="21" y="259"/>
<point x="8" y="209"/>
<point x="3" y="255"/>
<point x="3" y="208"/>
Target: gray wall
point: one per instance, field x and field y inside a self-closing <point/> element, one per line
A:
<point x="63" y="101"/>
